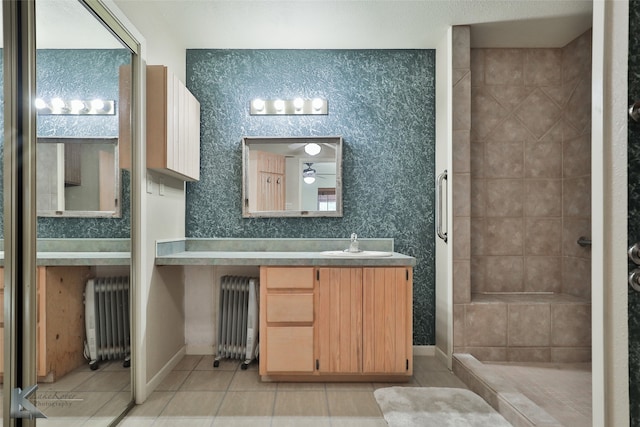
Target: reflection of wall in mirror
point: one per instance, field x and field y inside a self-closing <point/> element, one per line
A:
<point x="50" y="177"/>
<point x="325" y="178"/>
<point x="266" y="181"/>
<point x="87" y="196"/>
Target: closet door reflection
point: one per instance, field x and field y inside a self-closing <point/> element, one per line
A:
<point x="83" y="327"/>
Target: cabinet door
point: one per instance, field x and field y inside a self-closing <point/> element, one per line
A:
<point x="340" y="320"/>
<point x="387" y="320"/>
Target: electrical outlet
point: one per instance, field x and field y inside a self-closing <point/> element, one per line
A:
<point x="161" y="188"/>
<point x="149" y="186"/>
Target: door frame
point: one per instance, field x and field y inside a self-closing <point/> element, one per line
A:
<point x="609" y="120"/>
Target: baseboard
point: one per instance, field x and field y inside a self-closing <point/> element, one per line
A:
<point x="444" y="358"/>
<point x="166" y="369"/>
<point x="424" y="350"/>
<point x="200" y="350"/>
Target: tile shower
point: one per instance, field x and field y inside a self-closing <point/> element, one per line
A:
<point x="521" y="199"/>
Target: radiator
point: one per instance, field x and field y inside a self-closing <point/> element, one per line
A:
<point x="238" y="320"/>
<point x="107" y="320"/>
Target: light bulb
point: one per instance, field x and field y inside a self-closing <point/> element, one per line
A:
<point x="298" y="103"/>
<point x="312" y="149"/>
<point x="279" y="104"/>
<point x="309" y="179"/>
<point x="97" y="104"/>
<point x="258" y="104"/>
<point x="317" y="103"/>
<point x="57" y="104"/>
<point x="40" y="104"/>
<point x="77" y="106"/>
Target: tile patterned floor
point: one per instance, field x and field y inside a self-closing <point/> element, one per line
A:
<point x="196" y="394"/>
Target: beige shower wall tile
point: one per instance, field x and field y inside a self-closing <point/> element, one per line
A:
<point x="571" y="325"/>
<point x="478" y="269"/>
<point x="503" y="236"/>
<point x="486" y="325"/>
<point x="504" y="274"/>
<point x="576" y="277"/>
<point x="539" y="113"/>
<point x="478" y="197"/>
<point x="529" y="325"/>
<point x="543" y="67"/>
<point x="504" y="159"/>
<point x="543" y="274"/>
<point x="510" y="129"/>
<point x="462" y="103"/>
<point x="488" y="354"/>
<point x="461" y="151"/>
<point x="504" y="197"/>
<point x="477" y="67"/>
<point x="504" y="66"/>
<point x="509" y="96"/>
<point x="572" y="230"/>
<point x="461" y="194"/>
<point x="477" y="236"/>
<point x="529" y="354"/>
<point x="543" y="198"/>
<point x="576" y="154"/>
<point x="461" y="35"/>
<point x="477" y="159"/>
<point x="576" y="58"/>
<point x="462" y="282"/>
<point x="570" y="354"/>
<point x="458" y="324"/>
<point x="543" y="236"/>
<point x="579" y="105"/>
<point x="577" y="197"/>
<point x="461" y="238"/>
<point x="543" y="159"/>
<point x="486" y="113"/>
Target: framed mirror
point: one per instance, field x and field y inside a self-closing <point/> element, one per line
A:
<point x="78" y="177"/>
<point x="292" y="176"/>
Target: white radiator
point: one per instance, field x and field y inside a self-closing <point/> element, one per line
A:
<point x="107" y="320"/>
<point x="238" y="319"/>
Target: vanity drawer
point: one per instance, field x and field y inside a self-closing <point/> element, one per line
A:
<point x="290" y="308"/>
<point x="289" y="277"/>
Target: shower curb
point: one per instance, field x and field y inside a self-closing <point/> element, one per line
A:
<point x="501" y="393"/>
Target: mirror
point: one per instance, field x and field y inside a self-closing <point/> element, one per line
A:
<point x="78" y="177"/>
<point x="292" y="176"/>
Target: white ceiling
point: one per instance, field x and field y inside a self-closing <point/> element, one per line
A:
<point x="319" y="24"/>
<point x="362" y="24"/>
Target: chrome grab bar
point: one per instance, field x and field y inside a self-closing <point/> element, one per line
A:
<point x="441" y="178"/>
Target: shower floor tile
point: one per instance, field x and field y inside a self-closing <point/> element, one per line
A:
<point x="561" y="389"/>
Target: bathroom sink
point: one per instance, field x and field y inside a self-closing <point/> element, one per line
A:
<point x="361" y="254"/>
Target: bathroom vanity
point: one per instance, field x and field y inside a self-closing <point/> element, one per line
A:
<point x="336" y="323"/>
<point x="324" y="315"/>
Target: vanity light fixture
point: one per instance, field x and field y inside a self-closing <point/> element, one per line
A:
<point x="75" y="107"/>
<point x="312" y="149"/>
<point x="297" y="106"/>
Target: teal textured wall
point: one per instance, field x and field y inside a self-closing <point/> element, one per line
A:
<point x="382" y="102"/>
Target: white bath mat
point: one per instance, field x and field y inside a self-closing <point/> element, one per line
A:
<point x="437" y="407"/>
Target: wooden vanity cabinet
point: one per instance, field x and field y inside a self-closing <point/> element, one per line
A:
<point x="60" y="320"/>
<point x="361" y="319"/>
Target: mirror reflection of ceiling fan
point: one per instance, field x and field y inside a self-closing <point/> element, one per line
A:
<point x="309" y="174"/>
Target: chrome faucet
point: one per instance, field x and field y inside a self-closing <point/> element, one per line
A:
<point x="354" y="245"/>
